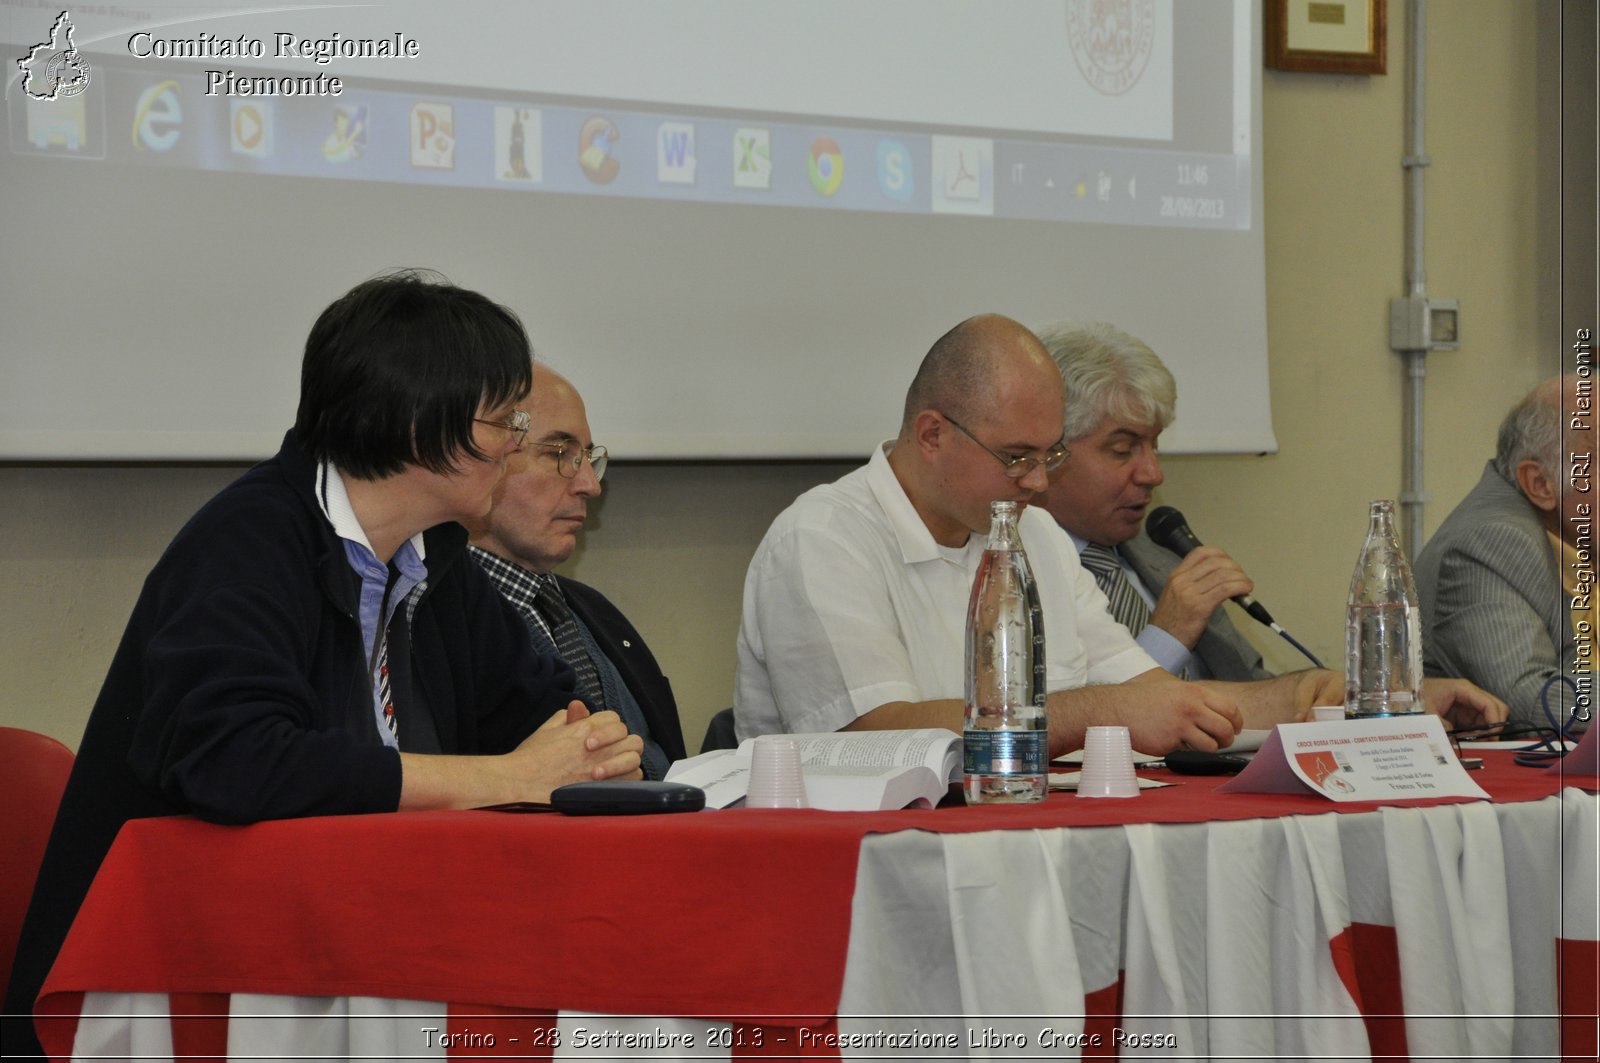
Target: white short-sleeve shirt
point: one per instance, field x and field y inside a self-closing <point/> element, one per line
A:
<point x="850" y="604"/>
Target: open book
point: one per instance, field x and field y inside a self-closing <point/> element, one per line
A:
<point x="846" y="771"/>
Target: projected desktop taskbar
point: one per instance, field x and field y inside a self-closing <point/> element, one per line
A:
<point x="270" y="124"/>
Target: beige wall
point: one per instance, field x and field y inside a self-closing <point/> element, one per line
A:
<point x="1335" y="217"/>
<point x="671" y="541"/>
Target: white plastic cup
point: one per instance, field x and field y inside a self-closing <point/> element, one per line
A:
<point x="776" y="779"/>
<point x="1328" y="714"/>
<point x="1107" y="764"/>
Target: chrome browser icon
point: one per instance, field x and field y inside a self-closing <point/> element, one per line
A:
<point x="825" y="166"/>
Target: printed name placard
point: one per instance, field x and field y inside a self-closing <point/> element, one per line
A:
<point x="1391" y="759"/>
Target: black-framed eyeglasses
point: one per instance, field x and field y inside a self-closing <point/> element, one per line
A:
<point x="518" y="426"/>
<point x="1017" y="468"/>
<point x="569" y="457"/>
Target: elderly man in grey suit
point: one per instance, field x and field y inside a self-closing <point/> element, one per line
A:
<point x="1497" y="591"/>
<point x="1120" y="398"/>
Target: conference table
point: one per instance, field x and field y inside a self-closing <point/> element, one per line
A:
<point x="1181" y="923"/>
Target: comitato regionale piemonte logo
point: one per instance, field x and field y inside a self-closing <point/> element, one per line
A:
<point x="54" y="69"/>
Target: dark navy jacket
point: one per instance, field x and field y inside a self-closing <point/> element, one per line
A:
<point x="240" y="693"/>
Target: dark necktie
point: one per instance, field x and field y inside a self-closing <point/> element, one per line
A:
<point x="569" y="642"/>
<point x="385" y="692"/>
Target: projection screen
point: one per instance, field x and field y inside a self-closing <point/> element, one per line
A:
<point x="736" y="225"/>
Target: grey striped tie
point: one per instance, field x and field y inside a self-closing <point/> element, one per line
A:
<point x="1127" y="604"/>
<point x="1127" y="607"/>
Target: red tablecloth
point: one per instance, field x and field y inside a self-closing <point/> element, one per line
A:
<point x="656" y="915"/>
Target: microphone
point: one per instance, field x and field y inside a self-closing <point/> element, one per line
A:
<point x="1167" y="528"/>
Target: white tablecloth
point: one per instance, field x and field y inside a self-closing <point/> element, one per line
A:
<point x="1225" y="941"/>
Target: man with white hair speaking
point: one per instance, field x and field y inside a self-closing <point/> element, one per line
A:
<point x="1119" y="399"/>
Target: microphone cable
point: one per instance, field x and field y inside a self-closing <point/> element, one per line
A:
<point x="1291" y="640"/>
<point x="1167" y="528"/>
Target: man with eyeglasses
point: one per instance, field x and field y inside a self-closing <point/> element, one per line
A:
<point x="855" y="602"/>
<point x="539" y="509"/>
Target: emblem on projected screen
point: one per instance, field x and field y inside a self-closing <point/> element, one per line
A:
<point x="596" y="141"/>
<point x="825" y="166"/>
<point x="1111" y="41"/>
<point x="54" y="69"/>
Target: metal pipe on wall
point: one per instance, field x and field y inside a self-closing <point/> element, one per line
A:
<point x="1415" y="161"/>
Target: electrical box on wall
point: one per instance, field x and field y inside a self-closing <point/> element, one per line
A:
<point x="1417" y="323"/>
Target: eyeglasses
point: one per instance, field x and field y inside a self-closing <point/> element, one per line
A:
<point x="1017" y="468"/>
<point x="569" y="457"/>
<point x="518" y="426"/>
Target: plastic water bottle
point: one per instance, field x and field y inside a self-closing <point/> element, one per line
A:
<point x="1006" y="740"/>
<point x="1383" y="627"/>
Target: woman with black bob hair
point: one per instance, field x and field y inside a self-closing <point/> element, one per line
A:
<point x="396" y="371"/>
<point x="314" y="640"/>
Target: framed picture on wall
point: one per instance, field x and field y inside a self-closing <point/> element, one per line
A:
<point x="1327" y="36"/>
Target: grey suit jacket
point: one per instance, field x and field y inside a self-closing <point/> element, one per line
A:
<point x="1225" y="652"/>
<point x="1493" y="610"/>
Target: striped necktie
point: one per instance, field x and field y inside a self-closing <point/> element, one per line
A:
<point x="1127" y="604"/>
<point x="1127" y="607"/>
<point x="385" y="693"/>
<point x="569" y="642"/>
